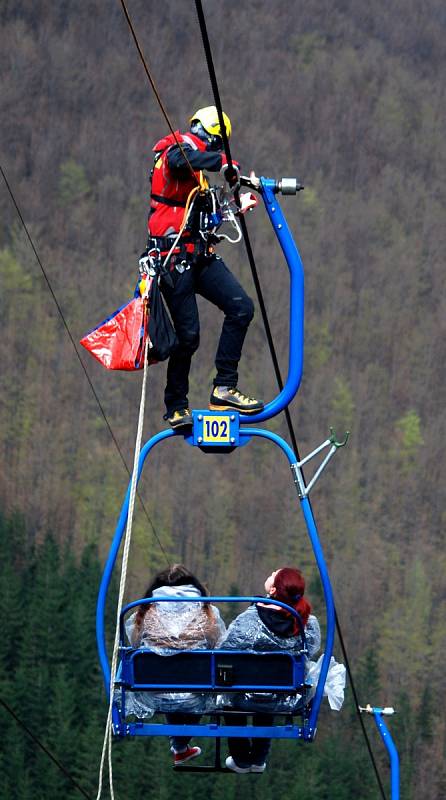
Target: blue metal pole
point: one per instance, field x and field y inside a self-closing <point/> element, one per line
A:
<point x="111" y="560"/>
<point x="392" y="751"/>
<point x="323" y="572"/>
<point x="296" y="338"/>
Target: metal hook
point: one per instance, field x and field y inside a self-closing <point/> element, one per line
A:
<point x="335" y="442"/>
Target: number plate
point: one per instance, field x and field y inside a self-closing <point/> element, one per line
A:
<point x="216" y="430"/>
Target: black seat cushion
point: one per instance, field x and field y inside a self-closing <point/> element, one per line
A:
<point x="210" y="669"/>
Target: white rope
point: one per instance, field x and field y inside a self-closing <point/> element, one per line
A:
<point x="125" y="556"/>
<point x="107" y="744"/>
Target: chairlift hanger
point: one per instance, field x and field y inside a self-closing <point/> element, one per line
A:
<point x="222" y="431"/>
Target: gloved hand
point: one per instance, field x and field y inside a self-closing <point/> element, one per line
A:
<point x="231" y="174"/>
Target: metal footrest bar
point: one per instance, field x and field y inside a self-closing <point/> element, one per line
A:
<point x="213" y="730"/>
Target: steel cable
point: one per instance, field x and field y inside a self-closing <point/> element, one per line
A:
<point x="214" y="85"/>
<point x="47" y="752"/>
<point x="70" y="335"/>
<point x="153" y="85"/>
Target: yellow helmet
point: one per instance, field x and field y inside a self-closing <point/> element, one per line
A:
<point x="208" y="117"/>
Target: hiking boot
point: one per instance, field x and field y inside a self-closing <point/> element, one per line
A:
<point x="186" y="755"/>
<point x="180" y="419"/>
<point x="225" y="398"/>
<point x="232" y="765"/>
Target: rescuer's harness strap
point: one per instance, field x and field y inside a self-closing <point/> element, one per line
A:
<point x="183" y="248"/>
<point x="168" y="201"/>
<point x="179" y="257"/>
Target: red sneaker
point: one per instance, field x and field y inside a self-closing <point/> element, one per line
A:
<point x="186" y="755"/>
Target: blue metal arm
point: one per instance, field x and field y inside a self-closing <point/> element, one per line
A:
<point x="392" y="751"/>
<point x="296" y="337"/>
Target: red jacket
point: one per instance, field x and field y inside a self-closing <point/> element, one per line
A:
<point x="172" y="180"/>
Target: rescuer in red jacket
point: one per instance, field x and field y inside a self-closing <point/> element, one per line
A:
<point x="176" y="204"/>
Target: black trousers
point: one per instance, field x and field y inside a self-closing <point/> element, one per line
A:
<point x="210" y="278"/>
<point x="250" y="751"/>
<point x="179" y="743"/>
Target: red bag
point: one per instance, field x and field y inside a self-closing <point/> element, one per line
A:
<point x="119" y="341"/>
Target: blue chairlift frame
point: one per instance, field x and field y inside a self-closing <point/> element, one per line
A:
<point x="268" y="189"/>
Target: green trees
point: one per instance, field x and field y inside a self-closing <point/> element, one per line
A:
<point x="50" y="677"/>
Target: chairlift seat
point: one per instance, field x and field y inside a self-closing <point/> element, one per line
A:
<point x="221" y="672"/>
<point x="211" y="671"/>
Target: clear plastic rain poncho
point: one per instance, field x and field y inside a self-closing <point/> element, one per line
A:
<point x="248" y="632"/>
<point x="165" y="629"/>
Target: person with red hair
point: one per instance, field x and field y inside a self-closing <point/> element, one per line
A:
<point x="263" y="627"/>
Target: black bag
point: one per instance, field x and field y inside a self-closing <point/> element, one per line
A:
<point x="161" y="331"/>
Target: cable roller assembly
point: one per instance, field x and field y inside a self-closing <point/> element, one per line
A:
<point x="288" y="186"/>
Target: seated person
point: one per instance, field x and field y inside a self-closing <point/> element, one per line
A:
<point x="265" y="627"/>
<point x="166" y="628"/>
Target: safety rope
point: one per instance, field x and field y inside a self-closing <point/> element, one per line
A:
<point x="106" y="747"/>
<point x="107" y="743"/>
<point x="47" y="752"/>
<point x="214" y="84"/>
<point x="155" y="90"/>
<point x="71" y="338"/>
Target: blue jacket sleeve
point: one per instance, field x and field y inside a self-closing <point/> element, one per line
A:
<point x="197" y="159"/>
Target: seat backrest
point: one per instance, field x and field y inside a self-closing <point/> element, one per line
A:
<point x="211" y="670"/>
<point x="192" y="668"/>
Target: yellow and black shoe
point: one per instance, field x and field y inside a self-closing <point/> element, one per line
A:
<point x="180" y="419"/>
<point x="225" y="398"/>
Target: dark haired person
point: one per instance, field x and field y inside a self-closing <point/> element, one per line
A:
<point x="165" y="628"/>
<point x="265" y="627"/>
<point x="194" y="268"/>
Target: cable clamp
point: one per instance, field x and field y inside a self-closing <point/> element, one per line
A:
<point x="368" y="709"/>
<point x="333" y="444"/>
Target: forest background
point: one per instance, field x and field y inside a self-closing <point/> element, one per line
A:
<point x="349" y="97"/>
